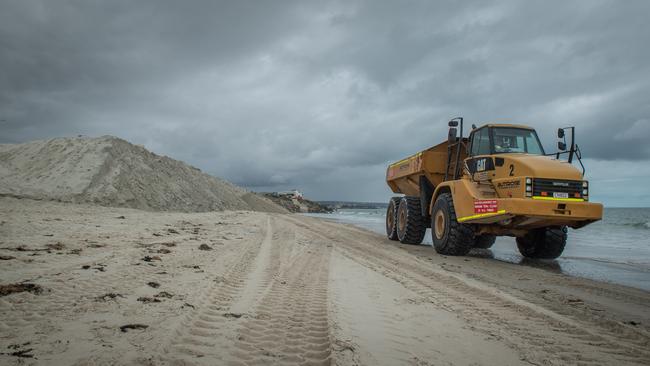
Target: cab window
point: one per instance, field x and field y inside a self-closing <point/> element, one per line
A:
<point x="481" y="142"/>
<point x="516" y="140"/>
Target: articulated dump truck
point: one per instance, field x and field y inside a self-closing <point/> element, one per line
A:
<point x="498" y="181"/>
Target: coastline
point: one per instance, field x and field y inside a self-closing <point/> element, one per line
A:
<point x="587" y="254"/>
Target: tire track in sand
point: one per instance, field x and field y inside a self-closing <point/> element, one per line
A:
<point x="291" y="325"/>
<point x="270" y="307"/>
<point x="128" y="279"/>
<point x="547" y="338"/>
<point x="197" y="338"/>
<point x="615" y="330"/>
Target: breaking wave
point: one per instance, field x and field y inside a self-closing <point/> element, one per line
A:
<point x="638" y="225"/>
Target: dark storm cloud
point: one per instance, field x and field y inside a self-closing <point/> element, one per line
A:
<point x="318" y="95"/>
<point x="75" y="57"/>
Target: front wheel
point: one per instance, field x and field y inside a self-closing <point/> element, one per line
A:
<point x="544" y="243"/>
<point x="449" y="236"/>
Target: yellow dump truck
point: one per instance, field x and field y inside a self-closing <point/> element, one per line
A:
<point x="498" y="181"/>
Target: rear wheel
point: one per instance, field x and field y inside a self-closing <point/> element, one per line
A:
<point x="544" y="243"/>
<point x="391" y="218"/>
<point x="449" y="236"/>
<point x="485" y="241"/>
<point x="410" y="224"/>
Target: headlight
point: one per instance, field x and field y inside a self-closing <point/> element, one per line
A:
<point x="585" y="192"/>
<point x="585" y="184"/>
<point x="529" y="188"/>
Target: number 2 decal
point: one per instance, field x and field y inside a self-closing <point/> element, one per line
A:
<point x="512" y="170"/>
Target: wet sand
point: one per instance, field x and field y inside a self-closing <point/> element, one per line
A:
<point x="618" y="254"/>
<point x="123" y="286"/>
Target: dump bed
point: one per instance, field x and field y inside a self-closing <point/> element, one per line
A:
<point x="404" y="175"/>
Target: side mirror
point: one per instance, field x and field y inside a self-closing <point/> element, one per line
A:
<point x="560" y="133"/>
<point x="561" y="146"/>
<point x="453" y="132"/>
<point x="453" y="123"/>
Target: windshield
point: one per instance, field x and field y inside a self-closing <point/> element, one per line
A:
<point x="516" y="140"/>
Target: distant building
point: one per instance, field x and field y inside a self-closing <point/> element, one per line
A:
<point x="294" y="193"/>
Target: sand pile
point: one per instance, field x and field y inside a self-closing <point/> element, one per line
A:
<point x="109" y="171"/>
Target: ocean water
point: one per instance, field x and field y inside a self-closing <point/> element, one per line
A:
<point x="616" y="249"/>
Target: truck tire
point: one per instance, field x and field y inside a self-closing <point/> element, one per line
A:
<point x="485" y="241"/>
<point x="391" y="218"/>
<point x="410" y="224"/>
<point x="449" y="236"/>
<point x="544" y="243"/>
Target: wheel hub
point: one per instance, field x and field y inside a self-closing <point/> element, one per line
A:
<point x="439" y="224"/>
<point x="401" y="221"/>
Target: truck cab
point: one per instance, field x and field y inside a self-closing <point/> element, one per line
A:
<point x="512" y="159"/>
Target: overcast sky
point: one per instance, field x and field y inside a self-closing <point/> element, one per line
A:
<point x="321" y="95"/>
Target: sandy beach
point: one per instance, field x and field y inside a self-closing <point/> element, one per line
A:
<point x="104" y="286"/>
<point x="324" y="183"/>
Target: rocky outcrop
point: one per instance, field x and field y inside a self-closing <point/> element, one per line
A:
<point x="298" y="205"/>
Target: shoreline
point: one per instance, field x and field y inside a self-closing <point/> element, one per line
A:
<point x="632" y="274"/>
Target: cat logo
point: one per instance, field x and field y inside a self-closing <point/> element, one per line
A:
<point x="480" y="165"/>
